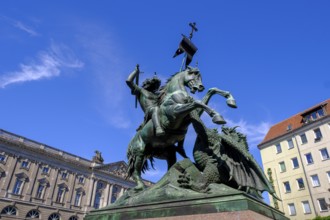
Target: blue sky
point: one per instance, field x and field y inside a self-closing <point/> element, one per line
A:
<point x="64" y="65"/>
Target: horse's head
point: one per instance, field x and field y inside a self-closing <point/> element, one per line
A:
<point x="193" y="79"/>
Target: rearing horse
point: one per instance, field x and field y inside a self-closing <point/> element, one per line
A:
<point x="175" y="107"/>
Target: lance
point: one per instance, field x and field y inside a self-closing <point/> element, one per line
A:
<point x="137" y="83"/>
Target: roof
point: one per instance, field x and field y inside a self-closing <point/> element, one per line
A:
<point x="293" y="123"/>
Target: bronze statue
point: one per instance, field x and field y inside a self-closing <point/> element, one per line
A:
<point x="175" y="106"/>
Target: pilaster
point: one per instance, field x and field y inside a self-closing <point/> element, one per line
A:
<point x="9" y="175"/>
<point x="34" y="167"/>
<point x="71" y="190"/>
<point x="53" y="181"/>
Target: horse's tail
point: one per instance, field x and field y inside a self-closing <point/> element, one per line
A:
<point x="131" y="162"/>
<point x="132" y="154"/>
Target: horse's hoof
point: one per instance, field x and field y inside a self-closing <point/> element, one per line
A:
<point x="231" y="103"/>
<point x="218" y="119"/>
<point x="159" y="132"/>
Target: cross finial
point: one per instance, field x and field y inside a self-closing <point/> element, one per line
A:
<point x="193" y="28"/>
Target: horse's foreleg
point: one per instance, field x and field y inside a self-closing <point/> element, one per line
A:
<point x="212" y="91"/>
<point x="216" y="117"/>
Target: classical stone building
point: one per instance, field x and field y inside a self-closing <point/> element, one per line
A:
<point x="41" y="182"/>
<point x="295" y="156"/>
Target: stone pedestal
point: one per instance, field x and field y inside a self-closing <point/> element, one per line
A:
<point x="233" y="206"/>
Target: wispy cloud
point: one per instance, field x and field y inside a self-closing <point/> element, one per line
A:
<point x="21" y="26"/>
<point x="106" y="64"/>
<point x="49" y="64"/>
<point x="25" y="28"/>
<point x="255" y="132"/>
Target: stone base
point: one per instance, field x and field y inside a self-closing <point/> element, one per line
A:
<point x="235" y="206"/>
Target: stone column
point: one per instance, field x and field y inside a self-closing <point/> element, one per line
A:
<point x="34" y="167"/>
<point x="52" y="183"/>
<point x="90" y="192"/>
<point x="94" y="193"/>
<point x="106" y="195"/>
<point x="110" y="194"/>
<point x="9" y="174"/>
<point x="121" y="192"/>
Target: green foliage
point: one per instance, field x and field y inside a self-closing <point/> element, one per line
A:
<point x="322" y="218"/>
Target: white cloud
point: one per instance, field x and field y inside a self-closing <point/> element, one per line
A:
<point x="255" y="132"/>
<point x="21" y="26"/>
<point x="25" y="28"/>
<point x="49" y="64"/>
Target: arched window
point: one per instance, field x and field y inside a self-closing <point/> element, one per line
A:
<point x="33" y="214"/>
<point x="73" y="217"/>
<point x="54" y="216"/>
<point x="98" y="195"/>
<point x="9" y="210"/>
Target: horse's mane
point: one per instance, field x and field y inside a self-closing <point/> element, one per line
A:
<point x="163" y="89"/>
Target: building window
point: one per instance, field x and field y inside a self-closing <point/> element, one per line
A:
<point x="287" y="187"/>
<point x="303" y="138"/>
<point x="61" y="193"/>
<point x="9" y="210"/>
<point x="278" y="148"/>
<point x="318" y="134"/>
<point x="309" y="158"/>
<point x="97" y="200"/>
<point x="54" y="216"/>
<point x="43" y="184"/>
<point x="115" y="193"/>
<point x="300" y="183"/>
<point x="64" y="175"/>
<point x="306" y="207"/>
<point x="322" y="204"/>
<point x="25" y="164"/>
<point x="295" y="163"/>
<point x="328" y="174"/>
<point x="282" y="166"/>
<point x="324" y="154"/>
<point x="320" y="112"/>
<point x="81" y="180"/>
<point x="45" y="170"/>
<point x="18" y="186"/>
<point x="40" y="191"/>
<point x="315" y="180"/>
<point x="73" y="218"/>
<point x="99" y="191"/>
<point x="33" y="214"/>
<point x="2" y="158"/>
<point x="292" y="209"/>
<point x="290" y="144"/>
<point x="77" y="199"/>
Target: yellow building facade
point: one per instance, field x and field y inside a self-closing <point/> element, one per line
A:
<point x="296" y="156"/>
